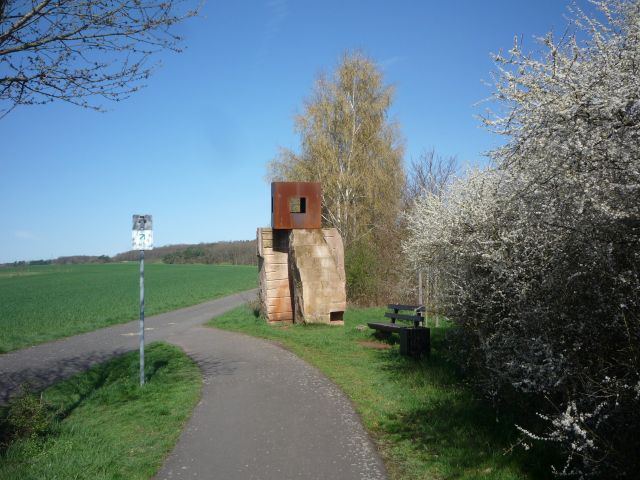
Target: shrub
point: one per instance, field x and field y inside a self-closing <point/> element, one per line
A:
<point x="539" y="256"/>
<point x="26" y="417"/>
<point x="360" y="270"/>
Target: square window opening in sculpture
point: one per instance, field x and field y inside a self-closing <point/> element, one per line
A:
<point x="336" y="316"/>
<point x="298" y="205"/>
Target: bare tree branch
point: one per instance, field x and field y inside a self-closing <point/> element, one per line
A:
<point x="430" y="173"/>
<point x="80" y="50"/>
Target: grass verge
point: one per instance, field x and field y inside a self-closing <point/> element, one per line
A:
<point x="53" y="301"/>
<point x="100" y="424"/>
<point x="424" y="419"/>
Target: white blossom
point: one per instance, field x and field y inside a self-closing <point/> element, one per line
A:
<point x="538" y="256"/>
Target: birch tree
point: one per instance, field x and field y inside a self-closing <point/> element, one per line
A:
<point x="351" y="147"/>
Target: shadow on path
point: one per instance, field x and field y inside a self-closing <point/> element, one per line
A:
<point x="42" y="365"/>
<point x="36" y="379"/>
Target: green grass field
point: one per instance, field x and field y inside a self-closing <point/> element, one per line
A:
<point x="100" y="424"/>
<point x="424" y="418"/>
<point x="42" y="303"/>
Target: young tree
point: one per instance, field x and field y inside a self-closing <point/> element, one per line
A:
<point x="349" y="145"/>
<point x="76" y="50"/>
<point x="540" y="255"/>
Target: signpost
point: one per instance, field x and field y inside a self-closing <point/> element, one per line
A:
<point x="142" y="239"/>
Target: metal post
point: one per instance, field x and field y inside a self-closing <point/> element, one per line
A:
<point x="141" y="317"/>
<point x="420" y="295"/>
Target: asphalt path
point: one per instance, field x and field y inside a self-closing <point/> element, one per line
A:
<point x="39" y="366"/>
<point x="264" y="413"/>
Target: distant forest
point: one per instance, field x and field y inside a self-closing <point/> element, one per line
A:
<point x="242" y="252"/>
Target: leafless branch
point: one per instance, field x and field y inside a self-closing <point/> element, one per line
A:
<point x="430" y="173"/>
<point x="78" y="51"/>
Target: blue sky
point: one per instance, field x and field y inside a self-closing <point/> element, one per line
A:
<point x="191" y="148"/>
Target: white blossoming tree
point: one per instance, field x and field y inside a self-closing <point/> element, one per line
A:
<point x="540" y="253"/>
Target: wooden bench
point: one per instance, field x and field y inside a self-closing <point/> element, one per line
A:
<point x="414" y="341"/>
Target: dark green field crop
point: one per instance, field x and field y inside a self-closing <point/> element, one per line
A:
<point x="43" y="303"/>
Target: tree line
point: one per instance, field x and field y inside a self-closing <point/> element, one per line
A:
<point x="240" y="252"/>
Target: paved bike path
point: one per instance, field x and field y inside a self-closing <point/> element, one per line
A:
<point x="42" y="365"/>
<point x="264" y="413"/>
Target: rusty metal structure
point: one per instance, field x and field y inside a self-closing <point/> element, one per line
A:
<point x="295" y="205"/>
<point x="301" y="264"/>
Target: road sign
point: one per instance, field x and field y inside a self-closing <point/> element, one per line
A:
<point x="142" y="232"/>
<point x="142" y="239"/>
